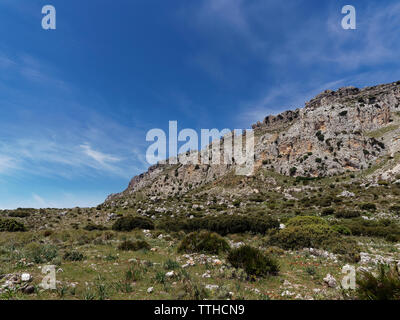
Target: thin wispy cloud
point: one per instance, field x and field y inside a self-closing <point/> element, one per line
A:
<point x="5" y="62"/>
<point x="39" y="202"/>
<point x="7" y="164"/>
<point x="30" y="69"/>
<point x="100" y="157"/>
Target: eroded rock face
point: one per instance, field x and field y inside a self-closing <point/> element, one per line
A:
<point x="345" y="130"/>
<point x="332" y="133"/>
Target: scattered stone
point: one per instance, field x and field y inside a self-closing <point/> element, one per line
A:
<point x="330" y="281"/>
<point x="287" y="283"/>
<point x="26" y="277"/>
<point x="346" y="194"/>
<point x="212" y="286"/>
<point x="217" y="262"/>
<point x="287" y="293"/>
<point x="236" y="245"/>
<point x="28" y="289"/>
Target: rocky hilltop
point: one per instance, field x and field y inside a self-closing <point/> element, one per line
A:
<point x="337" y="132"/>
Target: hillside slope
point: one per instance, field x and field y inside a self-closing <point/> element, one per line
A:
<point x="348" y="130"/>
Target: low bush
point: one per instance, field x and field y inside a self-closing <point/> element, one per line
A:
<point x="128" y="223"/>
<point x="368" y="206"/>
<point x="302" y="236"/>
<point x="324" y="202"/>
<point x="253" y="261"/>
<point x="41" y="253"/>
<point x="222" y="225"/>
<point x="395" y="209"/>
<point x="47" y="233"/>
<point x="313" y="232"/>
<point x="129" y="245"/>
<point x="20" y="213"/>
<point x="372" y="228"/>
<point x="11" y="225"/>
<point x="203" y="241"/>
<point x="136" y="272"/>
<point x="347" y="248"/>
<point x="342" y="229"/>
<point x="393" y="238"/>
<point x="92" y="227"/>
<point x="171" y="264"/>
<point x="303" y="232"/>
<point x="327" y="212"/>
<point x="305" y="220"/>
<point x="73" y="256"/>
<point x="384" y="286"/>
<point x="347" y="214"/>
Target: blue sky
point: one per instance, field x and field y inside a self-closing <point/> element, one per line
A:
<point x="76" y="102"/>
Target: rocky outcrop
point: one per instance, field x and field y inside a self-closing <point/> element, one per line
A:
<point x="349" y="129"/>
<point x="277" y="122"/>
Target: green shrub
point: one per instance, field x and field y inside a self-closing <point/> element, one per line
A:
<point x="129" y="223"/>
<point x="371" y="228"/>
<point x="368" y="206"/>
<point x="311" y="270"/>
<point x="384" y="286"/>
<point x="20" y="213"/>
<point x="41" y="253"/>
<point x="342" y="229"/>
<point x="347" y="214"/>
<point x="320" y="136"/>
<point x="11" y="225"/>
<point x="383" y="183"/>
<point x="257" y="198"/>
<point x="253" y="261"/>
<point x="347" y="248"/>
<point x="203" y="241"/>
<point x="222" y="225"/>
<point x="92" y="227"/>
<point x="327" y="212"/>
<point x="171" y="264"/>
<point x="302" y="236"/>
<point x="305" y="220"/>
<point x="47" y="233"/>
<point x="128" y="245"/>
<point x="392" y="238"/>
<point x="395" y="209"/>
<point x="303" y="232"/>
<point x="314" y="232"/>
<point x="324" y="202"/>
<point x="73" y="256"/>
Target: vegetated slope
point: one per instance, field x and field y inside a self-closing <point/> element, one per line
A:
<point x="203" y="232"/>
<point x="348" y="130"/>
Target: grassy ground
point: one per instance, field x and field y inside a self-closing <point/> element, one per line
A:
<point x="109" y="273"/>
<point x="103" y="271"/>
